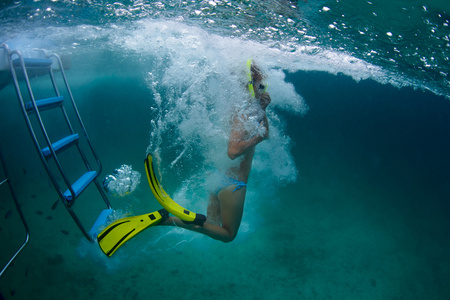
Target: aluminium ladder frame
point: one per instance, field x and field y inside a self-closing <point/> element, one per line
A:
<point x="50" y="152"/>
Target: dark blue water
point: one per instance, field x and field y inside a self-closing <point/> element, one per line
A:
<point x="348" y="199"/>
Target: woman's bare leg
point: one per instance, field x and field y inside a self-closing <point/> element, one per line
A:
<point x="214" y="210"/>
<point x="231" y="209"/>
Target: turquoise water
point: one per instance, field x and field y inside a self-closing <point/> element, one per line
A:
<point x="348" y="199"/>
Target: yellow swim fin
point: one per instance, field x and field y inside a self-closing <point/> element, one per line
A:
<point x="120" y="231"/>
<point x="167" y="202"/>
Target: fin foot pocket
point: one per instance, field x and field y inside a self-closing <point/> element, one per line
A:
<point x="199" y="220"/>
<point x="164" y="214"/>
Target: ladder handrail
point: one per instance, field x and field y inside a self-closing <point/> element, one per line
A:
<point x="63" y="74"/>
<point x="55" y="88"/>
<point x="16" y="203"/>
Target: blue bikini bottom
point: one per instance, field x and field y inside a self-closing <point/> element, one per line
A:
<point x="227" y="181"/>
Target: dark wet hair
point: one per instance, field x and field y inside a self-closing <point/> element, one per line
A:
<point x="256" y="71"/>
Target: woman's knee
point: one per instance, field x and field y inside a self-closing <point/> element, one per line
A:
<point x="228" y="238"/>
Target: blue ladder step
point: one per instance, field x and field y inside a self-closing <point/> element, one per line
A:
<point x="61" y="144"/>
<point x="33" y="62"/>
<point x="101" y="221"/>
<point x="45" y="103"/>
<point x="80" y="185"/>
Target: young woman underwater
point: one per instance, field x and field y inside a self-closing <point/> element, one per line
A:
<point x="226" y="202"/>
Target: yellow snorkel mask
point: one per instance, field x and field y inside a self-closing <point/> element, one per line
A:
<point x="251" y="88"/>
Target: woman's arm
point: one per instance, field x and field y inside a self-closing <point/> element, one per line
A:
<point x="238" y="145"/>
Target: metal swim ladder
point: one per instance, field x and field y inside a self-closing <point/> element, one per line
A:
<point x="68" y="191"/>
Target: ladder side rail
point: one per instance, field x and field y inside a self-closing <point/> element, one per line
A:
<point x="66" y="83"/>
<point x="84" y="158"/>
<point x="21" y="215"/>
<point x="102" y="193"/>
<point x="78" y="222"/>
<point x="82" y="154"/>
<point x="41" y="124"/>
<point x="76" y="111"/>
<point x="67" y="119"/>
<point x="55" y="88"/>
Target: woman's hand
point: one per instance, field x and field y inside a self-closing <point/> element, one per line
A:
<point x="264" y="100"/>
<point x="263" y="131"/>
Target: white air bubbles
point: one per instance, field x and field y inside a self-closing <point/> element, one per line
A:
<point x="334" y="26"/>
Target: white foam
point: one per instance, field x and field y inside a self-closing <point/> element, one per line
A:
<point x="187" y="50"/>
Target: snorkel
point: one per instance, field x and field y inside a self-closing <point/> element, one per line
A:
<point x="251" y="87"/>
<point x="249" y="76"/>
